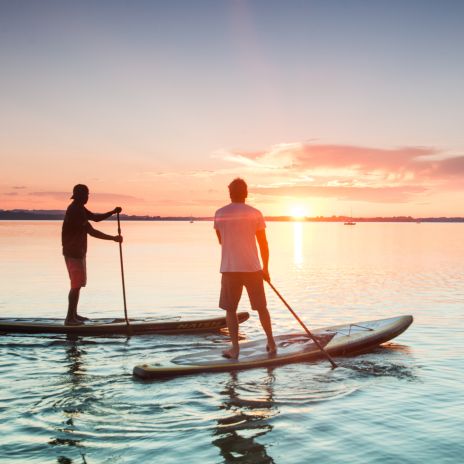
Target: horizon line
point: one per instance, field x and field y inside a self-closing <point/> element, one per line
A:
<point x="26" y="214"/>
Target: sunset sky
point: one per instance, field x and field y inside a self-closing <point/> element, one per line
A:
<point x="324" y="107"/>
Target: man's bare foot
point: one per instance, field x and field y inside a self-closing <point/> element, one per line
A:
<point x="231" y="354"/>
<point x="81" y="318"/>
<point x="271" y="348"/>
<point x="73" y="322"/>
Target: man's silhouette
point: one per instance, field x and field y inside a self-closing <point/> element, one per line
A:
<point x="76" y="226"/>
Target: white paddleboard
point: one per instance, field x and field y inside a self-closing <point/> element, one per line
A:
<point x="339" y="340"/>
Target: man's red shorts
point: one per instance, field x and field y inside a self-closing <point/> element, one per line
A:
<point x="77" y="271"/>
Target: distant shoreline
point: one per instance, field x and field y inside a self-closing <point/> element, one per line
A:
<point x="56" y="215"/>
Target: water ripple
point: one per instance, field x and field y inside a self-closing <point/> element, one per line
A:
<point x="74" y="401"/>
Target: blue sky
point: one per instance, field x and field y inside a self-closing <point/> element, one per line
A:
<point x="166" y="101"/>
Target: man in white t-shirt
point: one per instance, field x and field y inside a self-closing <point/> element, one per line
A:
<point x="238" y="227"/>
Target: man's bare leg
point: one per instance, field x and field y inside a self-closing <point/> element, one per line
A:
<point x="265" y="320"/>
<point x="232" y="325"/>
<point x="73" y="300"/>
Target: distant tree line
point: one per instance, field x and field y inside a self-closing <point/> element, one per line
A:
<point x="54" y="215"/>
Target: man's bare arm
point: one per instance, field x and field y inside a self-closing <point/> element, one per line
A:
<point x="97" y="234"/>
<point x="97" y="217"/>
<point x="219" y="236"/>
<point x="264" y="250"/>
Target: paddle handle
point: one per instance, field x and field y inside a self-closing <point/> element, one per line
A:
<point x="315" y="340"/>
<point x="122" y="276"/>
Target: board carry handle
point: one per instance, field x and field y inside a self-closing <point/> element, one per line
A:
<point x="315" y="340"/>
<point x="122" y="278"/>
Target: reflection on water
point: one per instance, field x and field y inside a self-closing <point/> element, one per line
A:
<point x="250" y="405"/>
<point x="298" y="256"/>
<point x="74" y="402"/>
<point x="247" y="420"/>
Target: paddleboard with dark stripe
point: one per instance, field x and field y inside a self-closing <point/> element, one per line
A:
<point x="339" y="340"/>
<point x="115" y="326"/>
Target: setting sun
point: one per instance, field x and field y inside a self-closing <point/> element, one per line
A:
<point x="298" y="212"/>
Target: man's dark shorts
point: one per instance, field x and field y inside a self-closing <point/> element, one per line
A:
<point x="232" y="284"/>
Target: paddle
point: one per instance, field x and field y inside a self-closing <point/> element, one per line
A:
<point x="122" y="277"/>
<point x="315" y="340"/>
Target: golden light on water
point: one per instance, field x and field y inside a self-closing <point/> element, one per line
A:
<point x="298" y="243"/>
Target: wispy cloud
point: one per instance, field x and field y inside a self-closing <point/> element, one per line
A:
<point x="99" y="197"/>
<point x="452" y="167"/>
<point x="278" y="157"/>
<point x="370" y="194"/>
<point x="349" y="172"/>
<point x="317" y="156"/>
<point x="363" y="159"/>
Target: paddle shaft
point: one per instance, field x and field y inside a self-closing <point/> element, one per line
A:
<point x="122" y="276"/>
<point x="315" y="340"/>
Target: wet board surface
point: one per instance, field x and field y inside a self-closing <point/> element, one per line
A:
<point x="111" y="326"/>
<point x="340" y="340"/>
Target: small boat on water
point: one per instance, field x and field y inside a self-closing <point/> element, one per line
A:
<point x="338" y="340"/>
<point x="350" y="222"/>
<point x="108" y="326"/>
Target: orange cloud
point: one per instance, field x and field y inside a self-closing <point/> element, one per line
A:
<point x="370" y="194"/>
<point x="300" y="156"/>
<point x="317" y="156"/>
<point x="452" y="167"/>
<point x="350" y="172"/>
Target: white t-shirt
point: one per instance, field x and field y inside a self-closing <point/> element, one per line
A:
<point x="238" y="224"/>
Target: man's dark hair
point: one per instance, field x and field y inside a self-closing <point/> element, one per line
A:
<point x="238" y="190"/>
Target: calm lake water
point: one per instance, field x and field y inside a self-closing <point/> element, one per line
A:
<point x="76" y="401"/>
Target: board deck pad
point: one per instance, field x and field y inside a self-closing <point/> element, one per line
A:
<point x="339" y="340"/>
<point x="287" y="345"/>
<point x="118" y="326"/>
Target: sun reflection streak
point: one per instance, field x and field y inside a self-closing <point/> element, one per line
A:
<point x="298" y="243"/>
